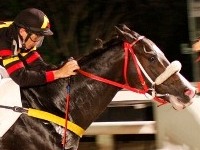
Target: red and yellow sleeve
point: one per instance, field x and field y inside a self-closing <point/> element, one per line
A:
<point x="49" y="76"/>
<point x="34" y="59"/>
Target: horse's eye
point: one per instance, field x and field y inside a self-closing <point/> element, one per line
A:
<point x="152" y="59"/>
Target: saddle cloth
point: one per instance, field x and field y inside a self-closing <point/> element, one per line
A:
<point x="9" y="96"/>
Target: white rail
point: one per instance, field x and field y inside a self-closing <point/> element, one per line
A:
<point x="124" y="98"/>
<point x="130" y="127"/>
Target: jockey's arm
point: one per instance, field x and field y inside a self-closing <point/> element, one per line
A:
<point x="30" y="70"/>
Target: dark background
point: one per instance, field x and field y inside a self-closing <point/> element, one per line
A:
<point x="77" y="23"/>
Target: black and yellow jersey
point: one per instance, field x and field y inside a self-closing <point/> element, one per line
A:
<point x="26" y="68"/>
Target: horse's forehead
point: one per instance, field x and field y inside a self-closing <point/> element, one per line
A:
<point x="156" y="49"/>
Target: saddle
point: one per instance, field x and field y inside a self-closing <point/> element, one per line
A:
<point x="9" y="96"/>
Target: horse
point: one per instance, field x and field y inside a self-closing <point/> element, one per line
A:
<point x="128" y="60"/>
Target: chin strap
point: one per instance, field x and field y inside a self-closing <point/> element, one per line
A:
<point x="23" y="48"/>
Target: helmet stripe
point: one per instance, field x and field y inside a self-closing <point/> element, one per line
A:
<point x="6" y="24"/>
<point x="45" y="22"/>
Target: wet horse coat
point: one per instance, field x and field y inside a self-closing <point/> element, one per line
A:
<point x="89" y="97"/>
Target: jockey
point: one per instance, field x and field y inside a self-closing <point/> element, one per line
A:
<point x="19" y="41"/>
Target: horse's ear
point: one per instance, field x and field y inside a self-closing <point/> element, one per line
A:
<point x="125" y="28"/>
<point x="119" y="32"/>
<point x="125" y="36"/>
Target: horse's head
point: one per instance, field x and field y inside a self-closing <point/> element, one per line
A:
<point x="165" y="80"/>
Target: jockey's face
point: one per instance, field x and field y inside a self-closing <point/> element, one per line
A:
<point x="32" y="41"/>
<point x="196" y="46"/>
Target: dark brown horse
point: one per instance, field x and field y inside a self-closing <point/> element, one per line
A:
<point x="129" y="59"/>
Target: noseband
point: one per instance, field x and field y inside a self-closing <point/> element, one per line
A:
<point x="129" y="49"/>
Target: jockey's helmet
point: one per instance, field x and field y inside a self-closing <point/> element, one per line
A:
<point x="34" y="21"/>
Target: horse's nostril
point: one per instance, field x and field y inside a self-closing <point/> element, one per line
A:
<point x="189" y="93"/>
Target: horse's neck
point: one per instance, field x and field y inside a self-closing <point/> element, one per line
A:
<point x="90" y="98"/>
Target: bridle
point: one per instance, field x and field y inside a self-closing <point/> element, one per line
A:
<point x="129" y="50"/>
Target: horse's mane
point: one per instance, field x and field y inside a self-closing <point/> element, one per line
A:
<point x="100" y="50"/>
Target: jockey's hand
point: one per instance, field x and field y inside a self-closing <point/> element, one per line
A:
<point x="67" y="70"/>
